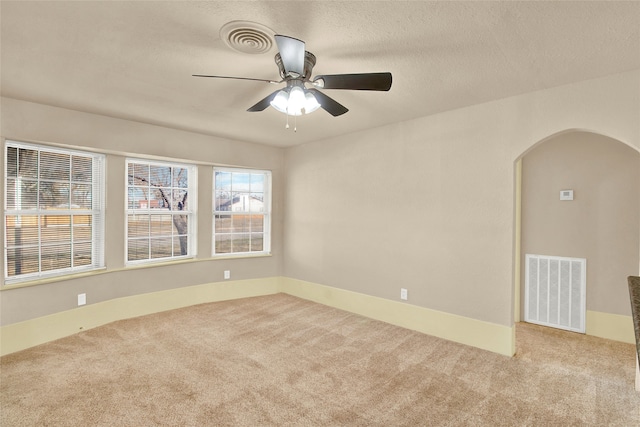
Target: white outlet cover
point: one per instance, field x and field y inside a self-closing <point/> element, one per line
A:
<point x="227" y="274"/>
<point x="566" y="195"/>
<point x="403" y="294"/>
<point x="82" y="299"/>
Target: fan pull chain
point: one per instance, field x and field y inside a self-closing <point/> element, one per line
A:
<point x="295" y="123"/>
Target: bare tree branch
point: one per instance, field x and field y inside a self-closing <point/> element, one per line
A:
<point x="156" y="187"/>
<point x="179" y="221"/>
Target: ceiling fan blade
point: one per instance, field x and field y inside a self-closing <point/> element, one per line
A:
<point x="366" y="81"/>
<point x="292" y="54"/>
<point x="330" y="105"/>
<point x="237" y="78"/>
<point x="264" y="103"/>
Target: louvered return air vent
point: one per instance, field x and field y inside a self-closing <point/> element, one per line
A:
<point x="555" y="291"/>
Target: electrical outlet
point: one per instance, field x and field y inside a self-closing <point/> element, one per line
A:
<point x="82" y="299"/>
<point x="227" y="274"/>
<point x="403" y="294"/>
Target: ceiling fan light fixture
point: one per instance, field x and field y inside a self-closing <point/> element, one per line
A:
<point x="295" y="101"/>
<point x="281" y="101"/>
<point x="311" y="103"/>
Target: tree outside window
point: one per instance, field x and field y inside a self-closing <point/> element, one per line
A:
<point x="159" y="214"/>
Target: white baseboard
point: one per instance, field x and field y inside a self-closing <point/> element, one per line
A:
<point x="22" y="335"/>
<point x="637" y="374"/>
<point x="611" y="326"/>
<point x="488" y="336"/>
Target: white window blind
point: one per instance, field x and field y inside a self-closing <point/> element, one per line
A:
<point x="54" y="211"/>
<point x="241" y="211"/>
<point x="160" y="211"/>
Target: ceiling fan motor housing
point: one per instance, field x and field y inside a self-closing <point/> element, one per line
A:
<point x="309" y="63"/>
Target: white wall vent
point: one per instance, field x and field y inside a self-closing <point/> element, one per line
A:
<point x="555" y="291"/>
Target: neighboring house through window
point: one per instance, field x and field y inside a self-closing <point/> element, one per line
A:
<point x="54" y="211"/>
<point x="160" y="211"/>
<point x="242" y="211"/>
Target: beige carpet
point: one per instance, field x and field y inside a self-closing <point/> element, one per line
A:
<point x="283" y="361"/>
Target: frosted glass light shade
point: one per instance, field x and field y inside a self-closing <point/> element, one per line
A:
<point x="311" y="103"/>
<point x="281" y="101"/>
<point x="295" y="101"/>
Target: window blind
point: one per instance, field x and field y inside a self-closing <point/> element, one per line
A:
<point x="54" y="211"/>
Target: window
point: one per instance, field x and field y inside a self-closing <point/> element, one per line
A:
<point x="54" y="211"/>
<point x="160" y="211"/>
<point x="241" y="211"/>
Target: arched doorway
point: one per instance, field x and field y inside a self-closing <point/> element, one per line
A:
<point x="600" y="224"/>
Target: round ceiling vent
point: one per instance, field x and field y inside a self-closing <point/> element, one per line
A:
<point x="247" y="37"/>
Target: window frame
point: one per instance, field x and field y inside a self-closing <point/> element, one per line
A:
<point x="191" y="213"/>
<point x="97" y="213"/>
<point x="267" y="212"/>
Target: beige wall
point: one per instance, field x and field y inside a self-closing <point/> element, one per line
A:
<point x="428" y="204"/>
<point x="601" y="224"/>
<point x="24" y="121"/>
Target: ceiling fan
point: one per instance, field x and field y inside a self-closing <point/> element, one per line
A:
<point x="295" y="65"/>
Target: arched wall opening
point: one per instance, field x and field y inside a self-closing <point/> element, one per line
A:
<point x="601" y="224"/>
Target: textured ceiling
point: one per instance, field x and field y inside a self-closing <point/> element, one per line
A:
<point x="134" y="60"/>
